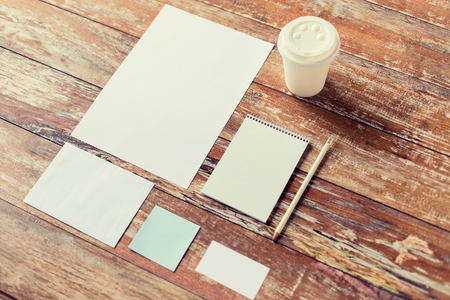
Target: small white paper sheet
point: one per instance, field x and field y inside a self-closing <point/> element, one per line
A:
<point x="89" y="194"/>
<point x="169" y="100"/>
<point x="233" y="270"/>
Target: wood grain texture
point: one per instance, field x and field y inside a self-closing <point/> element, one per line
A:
<point x="258" y="97"/>
<point x="383" y="29"/>
<point x="69" y="43"/>
<point x="419" y="188"/>
<point x="371" y="215"/>
<point x="292" y="275"/>
<point x="362" y="237"/>
<point x="436" y="12"/>
<point x="364" y="91"/>
<point x="56" y="265"/>
<point x="366" y="30"/>
<point x="364" y="160"/>
<point x="376" y="260"/>
<point x="356" y="88"/>
<point x="383" y="187"/>
<point x="41" y="100"/>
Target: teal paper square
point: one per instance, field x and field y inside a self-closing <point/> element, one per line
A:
<point x="164" y="238"/>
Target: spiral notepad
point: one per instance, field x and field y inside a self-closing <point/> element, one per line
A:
<point x="255" y="168"/>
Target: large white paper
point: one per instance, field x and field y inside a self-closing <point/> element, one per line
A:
<point x="89" y="194"/>
<point x="233" y="270"/>
<point x="255" y="168"/>
<point x="167" y="103"/>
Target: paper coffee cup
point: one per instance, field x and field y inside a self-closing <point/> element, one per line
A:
<point x="307" y="45"/>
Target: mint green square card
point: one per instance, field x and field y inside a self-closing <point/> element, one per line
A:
<point x="164" y="238"/>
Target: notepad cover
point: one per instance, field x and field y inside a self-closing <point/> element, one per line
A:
<point x="255" y="168"/>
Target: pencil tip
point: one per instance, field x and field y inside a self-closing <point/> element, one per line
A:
<point x="275" y="235"/>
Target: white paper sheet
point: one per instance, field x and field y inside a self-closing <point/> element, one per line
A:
<point x="89" y="194"/>
<point x="167" y="103"/>
<point x="233" y="270"/>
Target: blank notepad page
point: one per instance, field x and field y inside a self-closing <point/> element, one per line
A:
<point x="255" y="168"/>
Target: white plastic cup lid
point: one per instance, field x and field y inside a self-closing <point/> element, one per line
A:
<point x="309" y="40"/>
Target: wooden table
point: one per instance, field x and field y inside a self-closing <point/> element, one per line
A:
<point x="375" y="221"/>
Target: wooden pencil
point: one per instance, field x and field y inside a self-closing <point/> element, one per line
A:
<point x="302" y="189"/>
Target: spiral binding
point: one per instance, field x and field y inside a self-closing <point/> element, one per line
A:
<point x="283" y="130"/>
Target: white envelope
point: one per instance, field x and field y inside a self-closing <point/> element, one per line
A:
<point x="89" y="194"/>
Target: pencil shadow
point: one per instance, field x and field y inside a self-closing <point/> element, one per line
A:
<point x="304" y="156"/>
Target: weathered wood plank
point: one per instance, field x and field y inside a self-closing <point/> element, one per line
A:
<point x="367" y="30"/>
<point x="136" y="17"/>
<point x="280" y="109"/>
<point x="73" y="45"/>
<point x="286" y="279"/>
<point x="41" y="261"/>
<point x="364" y="91"/>
<point x="385" y="237"/>
<point x="41" y="100"/>
<point x="379" y="181"/>
<point x="322" y="242"/>
<point x="372" y="32"/>
<point x="356" y="234"/>
<point x="379" y="97"/>
<point x="366" y="161"/>
<point x="388" y="247"/>
<point x="436" y="11"/>
<point x="292" y="275"/>
<point x="391" y="183"/>
<point x="363" y="238"/>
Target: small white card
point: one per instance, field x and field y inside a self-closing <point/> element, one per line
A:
<point x="89" y="194"/>
<point x="165" y="106"/>
<point x="233" y="270"/>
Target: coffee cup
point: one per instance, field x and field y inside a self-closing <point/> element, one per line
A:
<point x="307" y="46"/>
